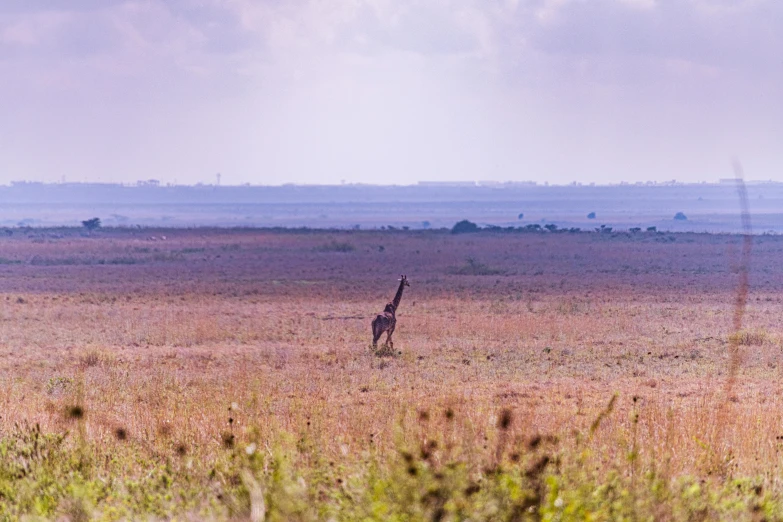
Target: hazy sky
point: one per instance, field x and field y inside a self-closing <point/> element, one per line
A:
<point x="390" y="91"/>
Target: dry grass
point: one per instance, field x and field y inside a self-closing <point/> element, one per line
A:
<point x="256" y="337"/>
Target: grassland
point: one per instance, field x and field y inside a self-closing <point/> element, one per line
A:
<point x="227" y="374"/>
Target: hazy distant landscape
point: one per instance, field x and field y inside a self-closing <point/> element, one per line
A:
<point x="707" y="207"/>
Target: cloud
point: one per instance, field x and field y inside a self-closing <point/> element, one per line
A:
<point x="31" y="29"/>
<point x="339" y="88"/>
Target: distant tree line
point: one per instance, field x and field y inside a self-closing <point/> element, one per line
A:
<point x="468" y="227"/>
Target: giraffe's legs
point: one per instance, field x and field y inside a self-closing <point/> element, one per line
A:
<point x="389" y="341"/>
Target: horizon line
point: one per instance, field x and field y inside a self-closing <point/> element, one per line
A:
<point x="153" y="183"/>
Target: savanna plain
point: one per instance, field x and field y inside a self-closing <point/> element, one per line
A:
<point x="228" y="374"/>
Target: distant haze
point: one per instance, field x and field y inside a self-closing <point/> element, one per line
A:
<point x="706" y="207"/>
<point x="390" y="91"/>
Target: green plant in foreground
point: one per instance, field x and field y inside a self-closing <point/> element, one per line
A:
<point x="428" y="477"/>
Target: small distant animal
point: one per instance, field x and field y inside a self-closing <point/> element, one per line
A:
<point x="386" y="321"/>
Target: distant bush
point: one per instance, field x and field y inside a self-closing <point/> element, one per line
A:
<point x="534" y="227"/>
<point x="92" y="224"/>
<point x="680" y="216"/>
<point x="521" y="215"/>
<point x="591" y="215"/>
<point x="634" y="230"/>
<point x="464" y="227"/>
<point x="551" y="227"/>
<point x="335" y="246"/>
<point x="652" y="229"/>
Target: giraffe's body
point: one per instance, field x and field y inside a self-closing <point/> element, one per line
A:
<point x="386" y="321"/>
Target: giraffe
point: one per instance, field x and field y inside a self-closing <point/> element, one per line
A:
<point x="386" y="321"/>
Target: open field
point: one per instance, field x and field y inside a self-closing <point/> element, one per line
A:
<point x="213" y="372"/>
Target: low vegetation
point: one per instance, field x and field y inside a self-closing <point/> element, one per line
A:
<point x="336" y="246"/>
<point x="428" y="476"/>
<point x="231" y="379"/>
<point x="473" y="267"/>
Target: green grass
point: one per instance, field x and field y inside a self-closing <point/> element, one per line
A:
<point x="59" y="475"/>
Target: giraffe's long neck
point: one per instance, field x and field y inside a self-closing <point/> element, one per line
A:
<point x="397" y="297"/>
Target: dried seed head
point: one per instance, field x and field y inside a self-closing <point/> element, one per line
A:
<point x="164" y="429"/>
<point x="538" y="467"/>
<point x="472" y="489"/>
<point x="228" y="440"/>
<point x="534" y="442"/>
<point x="505" y="419"/>
<point x="75" y="412"/>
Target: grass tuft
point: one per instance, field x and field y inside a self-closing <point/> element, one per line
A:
<point x="749" y="337"/>
<point x="473" y="267"/>
<point x="335" y="246"/>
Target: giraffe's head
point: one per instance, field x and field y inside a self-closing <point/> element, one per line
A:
<point x="404" y="280"/>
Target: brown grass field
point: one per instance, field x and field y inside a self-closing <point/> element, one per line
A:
<point x="175" y="357"/>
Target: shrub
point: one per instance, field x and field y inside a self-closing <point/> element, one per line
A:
<point x="92" y="224"/>
<point x="464" y="227"/>
<point x="652" y="229"/>
<point x="749" y="338"/>
<point x="591" y="215"/>
<point x="680" y="216"/>
<point x="521" y="215"/>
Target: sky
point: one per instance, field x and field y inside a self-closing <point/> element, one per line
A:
<point x="390" y="91"/>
